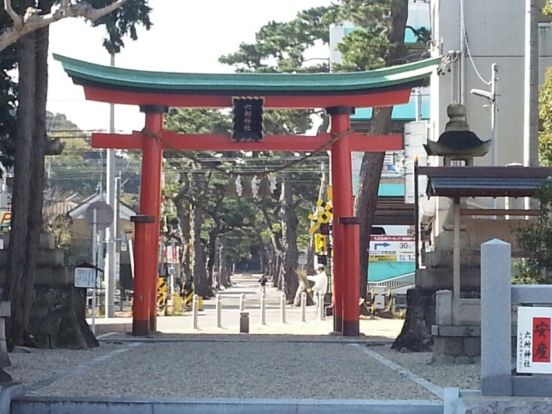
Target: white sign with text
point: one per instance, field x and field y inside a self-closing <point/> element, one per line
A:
<point x="533" y="340"/>
<point x="85" y="277"/>
<point x="392" y="249"/>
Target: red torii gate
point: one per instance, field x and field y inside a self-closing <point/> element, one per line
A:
<point x="338" y="93"/>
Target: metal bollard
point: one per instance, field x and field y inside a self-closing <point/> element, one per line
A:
<point x="242" y="302"/>
<point x="321" y="311"/>
<point x="244" y="322"/>
<point x="263" y="309"/>
<point x="283" y="307"/>
<point x="194" y="312"/>
<point x="303" y="307"/>
<point x="218" y="305"/>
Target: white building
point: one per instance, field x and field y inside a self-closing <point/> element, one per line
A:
<point x="494" y="32"/>
<point x="471" y="35"/>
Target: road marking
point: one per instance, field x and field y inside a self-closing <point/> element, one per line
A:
<point x="105" y="335"/>
<point x="434" y="389"/>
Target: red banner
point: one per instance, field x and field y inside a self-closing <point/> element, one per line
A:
<point x="541" y="340"/>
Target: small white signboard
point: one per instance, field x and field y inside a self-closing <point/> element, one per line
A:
<point x="84" y="277"/>
<point x="533" y="340"/>
<point x="392" y="249"/>
<point x="379" y="302"/>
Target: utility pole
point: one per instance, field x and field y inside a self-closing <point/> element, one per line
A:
<point x="491" y="98"/>
<point x="117" y="233"/>
<point x="111" y="231"/>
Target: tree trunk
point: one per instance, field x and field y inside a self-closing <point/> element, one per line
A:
<point x="289" y="235"/>
<point x="183" y="213"/>
<point x="17" y="283"/>
<point x="416" y="335"/>
<point x="187" y="248"/>
<point x="277" y="248"/>
<point x="278" y="270"/>
<point x="225" y="267"/>
<point x="211" y="254"/>
<point x="28" y="193"/>
<point x="367" y="196"/>
<point x="269" y="258"/>
<point x="372" y="163"/>
<point x="321" y="196"/>
<point x="198" y="255"/>
<point x="36" y="199"/>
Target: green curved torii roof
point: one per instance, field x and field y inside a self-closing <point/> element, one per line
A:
<point x="381" y="87"/>
<point x="89" y="73"/>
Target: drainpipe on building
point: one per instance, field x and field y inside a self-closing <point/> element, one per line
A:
<point x="530" y="96"/>
<point x="530" y="93"/>
<point x="462" y="62"/>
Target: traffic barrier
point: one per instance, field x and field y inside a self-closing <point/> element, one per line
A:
<point x="242" y="302"/>
<point x="263" y="309"/>
<point x="194" y="312"/>
<point x="303" y="307"/>
<point x="283" y="307"/>
<point x="219" y="311"/>
<point x="320" y="306"/>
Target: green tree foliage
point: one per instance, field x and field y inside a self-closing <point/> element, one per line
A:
<point x="281" y="46"/>
<point x="547" y="7"/>
<point x="123" y="22"/>
<point x="370" y="45"/>
<point x="364" y="49"/>
<point x="536" y="240"/>
<point x="545" y="120"/>
<point x="77" y="169"/>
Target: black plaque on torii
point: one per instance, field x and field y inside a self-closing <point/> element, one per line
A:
<point x="247" y="120"/>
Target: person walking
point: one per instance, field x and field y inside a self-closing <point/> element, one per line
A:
<point x="320" y="284"/>
<point x="263" y="281"/>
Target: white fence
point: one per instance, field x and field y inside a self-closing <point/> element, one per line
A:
<point x="395" y="282"/>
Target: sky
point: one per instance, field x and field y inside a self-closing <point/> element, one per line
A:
<point x="187" y="36"/>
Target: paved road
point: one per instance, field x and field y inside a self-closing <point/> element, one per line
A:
<point x="247" y="285"/>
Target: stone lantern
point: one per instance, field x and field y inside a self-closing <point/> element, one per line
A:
<point x="458" y="145"/>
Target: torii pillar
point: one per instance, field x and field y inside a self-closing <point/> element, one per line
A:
<point x="346" y="260"/>
<point x="345" y="228"/>
<point x="147" y="224"/>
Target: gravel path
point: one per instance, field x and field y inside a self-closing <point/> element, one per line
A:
<point x="442" y="371"/>
<point x="31" y="366"/>
<point x="293" y="360"/>
<point x="256" y="369"/>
